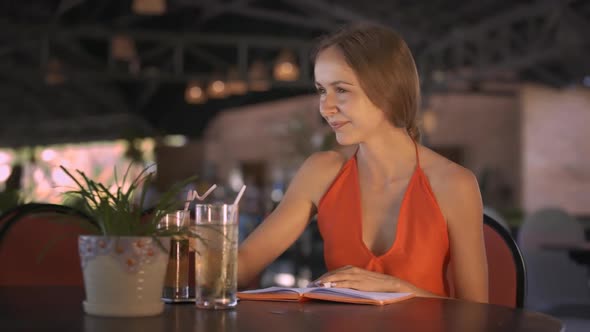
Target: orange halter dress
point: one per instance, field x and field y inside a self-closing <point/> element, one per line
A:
<point x="420" y="252"/>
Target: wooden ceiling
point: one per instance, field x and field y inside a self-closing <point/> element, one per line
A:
<point x="103" y="98"/>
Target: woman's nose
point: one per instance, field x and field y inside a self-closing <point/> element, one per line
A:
<point x="328" y="106"/>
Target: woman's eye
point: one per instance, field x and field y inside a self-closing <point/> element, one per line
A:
<point x="340" y="90"/>
<point x="321" y="91"/>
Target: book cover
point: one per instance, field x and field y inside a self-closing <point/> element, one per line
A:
<point x="345" y="295"/>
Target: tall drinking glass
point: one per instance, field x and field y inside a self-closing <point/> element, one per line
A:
<point x="216" y="265"/>
<point x="177" y="286"/>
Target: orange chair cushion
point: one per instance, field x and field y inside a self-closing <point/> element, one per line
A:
<point x="501" y="269"/>
<point x="27" y="239"/>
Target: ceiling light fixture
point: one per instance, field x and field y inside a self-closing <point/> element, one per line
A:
<point x="123" y="48"/>
<point x="286" y="68"/>
<point x="149" y="7"/>
<point x="54" y="74"/>
<point x="194" y="94"/>
<point x="258" y="77"/>
<point x="217" y="89"/>
<point x="235" y="84"/>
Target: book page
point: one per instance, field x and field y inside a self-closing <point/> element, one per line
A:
<point x="353" y="293"/>
<point x="276" y="290"/>
<point x="344" y="295"/>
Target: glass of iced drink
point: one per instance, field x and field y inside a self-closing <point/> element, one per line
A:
<point x="216" y="260"/>
<point x="177" y="287"/>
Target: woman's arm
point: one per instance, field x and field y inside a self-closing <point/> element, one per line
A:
<point x="286" y="223"/>
<point x="464" y="213"/>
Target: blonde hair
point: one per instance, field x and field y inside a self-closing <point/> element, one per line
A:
<point x="385" y="68"/>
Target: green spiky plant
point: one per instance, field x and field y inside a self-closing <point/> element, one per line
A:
<point x="115" y="214"/>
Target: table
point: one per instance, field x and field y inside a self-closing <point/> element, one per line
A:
<point x="60" y="309"/>
<point x="579" y="252"/>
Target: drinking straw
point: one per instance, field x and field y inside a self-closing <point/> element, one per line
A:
<point x="236" y="201"/>
<point x="189" y="198"/>
<point x="191" y="195"/>
<point x="200" y="198"/>
<point x="240" y="195"/>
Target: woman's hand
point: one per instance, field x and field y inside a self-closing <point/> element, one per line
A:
<point x="361" y="279"/>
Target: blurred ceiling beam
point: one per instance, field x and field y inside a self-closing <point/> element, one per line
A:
<point x="168" y="49"/>
<point x="77" y="50"/>
<point x="27" y="31"/>
<point x="468" y="9"/>
<point x="282" y="17"/>
<point x="212" y="59"/>
<point x="521" y="38"/>
<point x="331" y="9"/>
<point x="342" y="14"/>
<point x="211" y="10"/>
<point x="65" y="6"/>
<point x="76" y="96"/>
<point x="210" y="13"/>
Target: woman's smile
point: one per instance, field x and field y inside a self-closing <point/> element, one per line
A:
<point x="338" y="124"/>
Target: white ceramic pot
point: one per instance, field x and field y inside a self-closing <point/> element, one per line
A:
<point x="123" y="276"/>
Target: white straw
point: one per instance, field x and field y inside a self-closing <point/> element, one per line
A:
<point x="236" y="201"/>
<point x="200" y="198"/>
<point x="191" y="195"/>
<point x="240" y="195"/>
<point x="188" y="200"/>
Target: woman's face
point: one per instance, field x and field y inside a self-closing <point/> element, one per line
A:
<point x="343" y="103"/>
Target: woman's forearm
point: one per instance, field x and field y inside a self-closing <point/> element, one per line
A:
<point x="406" y="287"/>
<point x="245" y="277"/>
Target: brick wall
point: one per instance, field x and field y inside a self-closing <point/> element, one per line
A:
<point x="260" y="133"/>
<point x="556" y="148"/>
<point x="487" y="129"/>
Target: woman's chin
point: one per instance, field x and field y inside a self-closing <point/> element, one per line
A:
<point x="345" y="140"/>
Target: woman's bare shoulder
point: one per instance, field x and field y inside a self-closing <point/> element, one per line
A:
<point x="450" y="182"/>
<point x="442" y="170"/>
<point x="320" y="169"/>
<point x="329" y="159"/>
<point x="324" y="164"/>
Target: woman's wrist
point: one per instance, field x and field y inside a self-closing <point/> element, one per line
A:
<point x="407" y="288"/>
<point x="402" y="286"/>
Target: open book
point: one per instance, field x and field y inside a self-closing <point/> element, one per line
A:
<point x="322" y="293"/>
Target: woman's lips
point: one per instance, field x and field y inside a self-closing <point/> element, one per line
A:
<point x="338" y="124"/>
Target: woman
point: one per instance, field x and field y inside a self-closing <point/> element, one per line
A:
<point x="394" y="216"/>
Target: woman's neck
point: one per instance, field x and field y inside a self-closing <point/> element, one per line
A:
<point x="387" y="156"/>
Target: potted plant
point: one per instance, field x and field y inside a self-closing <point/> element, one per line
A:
<point x="124" y="260"/>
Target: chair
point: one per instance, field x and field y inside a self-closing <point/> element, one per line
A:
<point x="496" y="215"/>
<point x="38" y="229"/>
<point x="553" y="279"/>
<point x="7" y="215"/>
<point x="506" y="268"/>
<point x="549" y="224"/>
